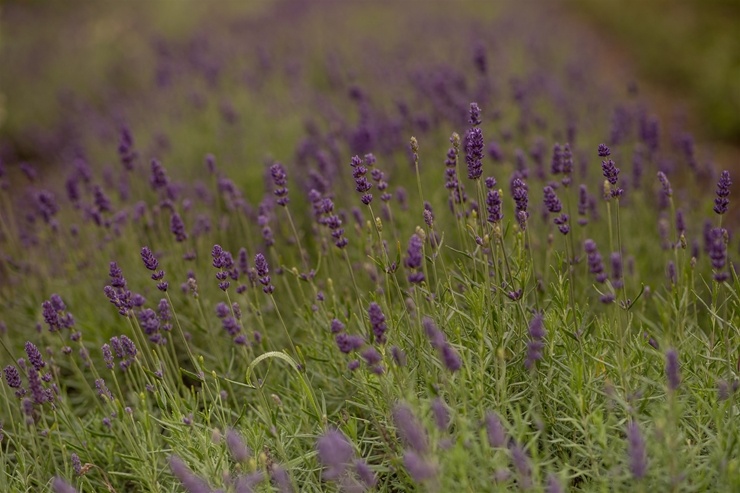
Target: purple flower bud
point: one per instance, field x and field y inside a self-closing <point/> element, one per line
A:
<point x="34" y="356"/>
<point x="723" y="192"/>
<point x="177" y="226"/>
<point x="495" y="431"/>
<point x="260" y="263"/>
<point x="667" y="190"/>
<point x="239" y="451"/>
<point x="474" y="152"/>
<point x="441" y="414"/>
<point x="409" y="429"/>
<point x="603" y="150"/>
<point x="399" y="357"/>
<point x="552" y="202"/>
<point x="150" y="261"/>
<point x="61" y="486"/>
<point x="493" y="205"/>
<point x="556" y="166"/>
<point x="418" y="468"/>
<point x="366" y="475"/>
<point x="191" y="482"/>
<point x="377" y="322"/>
<point x="521" y="462"/>
<point x="636" y="451"/>
<point x="348" y="343"/>
<point x="280" y="179"/>
<point x="107" y="356"/>
<point x="371" y="356"/>
<point x="335" y="452"/>
<point x="474" y="114"/>
<point x="717" y="250"/>
<point x="536" y="344"/>
<point x="76" y="463"/>
<point x="450" y="358"/>
<point x="158" y="178"/>
<point x="595" y="265"/>
<point x="12" y="377"/>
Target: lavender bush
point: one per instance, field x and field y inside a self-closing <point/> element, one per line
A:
<point x="285" y="265"/>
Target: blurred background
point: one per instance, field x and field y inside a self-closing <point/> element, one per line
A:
<point x="69" y="70"/>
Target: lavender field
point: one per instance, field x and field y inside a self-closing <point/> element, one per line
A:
<point x="351" y="246"/>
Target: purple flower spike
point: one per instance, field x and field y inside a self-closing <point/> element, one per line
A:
<point x="377" y="322"/>
<point x="411" y="432"/>
<point x="636" y="451"/>
<point x="493" y="205"/>
<point x="441" y="414"/>
<point x="177" y="226"/>
<point x="595" y="264"/>
<point x="474" y="153"/>
<point x="34" y="356"/>
<point x="191" y="482"/>
<point x="239" y="451"/>
<point x="604" y="151"/>
<point x="158" y="179"/>
<point x="61" y="486"/>
<point x="474" y="114"/>
<point x="280" y="179"/>
<point x="717" y="250"/>
<point x="667" y="190"/>
<point x="495" y="431"/>
<point x="414" y="259"/>
<point x="12" y="377"/>
<point x="552" y="202"/>
<point x="260" y="263"/>
<point x="150" y="261"/>
<point x="419" y="468"/>
<point x="335" y="453"/>
<point x="723" y="192"/>
<point x="536" y="344"/>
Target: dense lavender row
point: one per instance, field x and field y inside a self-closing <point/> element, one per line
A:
<point x="476" y="271"/>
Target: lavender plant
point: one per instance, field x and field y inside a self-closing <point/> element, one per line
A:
<point x="426" y="340"/>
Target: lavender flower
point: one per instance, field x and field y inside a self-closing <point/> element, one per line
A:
<point x="474" y="152"/>
<point x="13" y="379"/>
<point x="616" y="260"/>
<point x="107" y="356"/>
<point x="239" y="451"/>
<point x="521" y="462"/>
<point x="280" y="179"/>
<point x="177" y="226"/>
<point x="348" y="343"/>
<point x="411" y="432"/>
<point x="335" y="453"/>
<point x="377" y="322"/>
<point x="191" y="482"/>
<point x="158" y="179"/>
<point x="667" y="190"/>
<point x="610" y="171"/>
<point x="636" y="451"/>
<point x="260" y="263"/>
<point x="76" y="463"/>
<point x="441" y="414"/>
<point x="723" y="192"/>
<point x="126" y="149"/>
<point x="493" y="204"/>
<point x="495" y="431"/>
<point x="567" y="165"/>
<point x="366" y="475"/>
<point x="536" y="343"/>
<point x="556" y="165"/>
<point x="450" y="358"/>
<point x="34" y="356"/>
<point x="362" y="185"/>
<point x="672" y="372"/>
<point x="414" y="260"/>
<point x="552" y="202"/>
<point x="419" y="469"/>
<point x="61" y="486"/>
<point x="595" y="264"/>
<point x="717" y="250"/>
<point x="336" y="326"/>
<point x="520" y="192"/>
